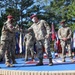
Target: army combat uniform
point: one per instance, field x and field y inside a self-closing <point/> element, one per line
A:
<point x="41" y="29"/>
<point x="65" y="32"/>
<point x="8" y="43"/>
<point x="29" y="44"/>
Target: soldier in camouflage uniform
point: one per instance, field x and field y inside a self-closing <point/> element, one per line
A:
<point x="29" y="44"/>
<point x="65" y="34"/>
<point x="41" y="30"/>
<point x="8" y="42"/>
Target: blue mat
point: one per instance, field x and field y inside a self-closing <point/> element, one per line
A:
<point x="58" y="65"/>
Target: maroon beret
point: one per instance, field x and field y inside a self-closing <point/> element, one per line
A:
<point x="10" y="17"/>
<point x="62" y="22"/>
<point x="34" y="15"/>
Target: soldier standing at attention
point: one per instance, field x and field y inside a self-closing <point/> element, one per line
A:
<point x="29" y="44"/>
<point x="41" y="30"/>
<point x="8" y="42"/>
<point x="65" y="34"/>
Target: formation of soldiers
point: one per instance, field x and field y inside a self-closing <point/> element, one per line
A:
<point x="42" y="34"/>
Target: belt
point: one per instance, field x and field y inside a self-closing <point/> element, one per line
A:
<point x="7" y="31"/>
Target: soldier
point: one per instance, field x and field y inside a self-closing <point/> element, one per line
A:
<point x="29" y="44"/>
<point x="65" y="34"/>
<point x="41" y="30"/>
<point x="8" y="42"/>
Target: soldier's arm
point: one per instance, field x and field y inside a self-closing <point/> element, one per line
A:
<point x="46" y="25"/>
<point x="69" y="33"/>
<point x="5" y="28"/>
<point x="59" y="34"/>
<point x="48" y="30"/>
<point x="25" y="38"/>
<point x="30" y="28"/>
<point x="27" y="30"/>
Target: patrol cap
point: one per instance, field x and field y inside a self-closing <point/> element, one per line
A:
<point x="34" y="15"/>
<point x="62" y="22"/>
<point x="10" y="17"/>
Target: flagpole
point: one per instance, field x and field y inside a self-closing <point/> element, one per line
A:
<point x="53" y="36"/>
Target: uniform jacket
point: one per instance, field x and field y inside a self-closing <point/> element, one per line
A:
<point x="41" y="29"/>
<point x="64" y="32"/>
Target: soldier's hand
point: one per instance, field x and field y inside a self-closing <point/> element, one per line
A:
<point x="64" y="39"/>
<point x="47" y="36"/>
<point x="17" y="26"/>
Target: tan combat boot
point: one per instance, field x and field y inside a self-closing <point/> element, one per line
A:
<point x="13" y="61"/>
<point x="8" y="64"/>
<point x="40" y="63"/>
<point x="26" y="59"/>
<point x="63" y="59"/>
<point x="50" y="62"/>
<point x="72" y="59"/>
<point x="33" y="59"/>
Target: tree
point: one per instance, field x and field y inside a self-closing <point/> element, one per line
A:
<point x="18" y="8"/>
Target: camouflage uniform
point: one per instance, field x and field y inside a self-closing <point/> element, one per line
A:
<point x="65" y="32"/>
<point x="41" y="30"/>
<point x="29" y="43"/>
<point x="8" y="42"/>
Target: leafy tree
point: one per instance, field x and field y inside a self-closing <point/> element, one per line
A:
<point x="49" y="10"/>
<point x="61" y="9"/>
<point x="1" y="24"/>
<point x="18" y="8"/>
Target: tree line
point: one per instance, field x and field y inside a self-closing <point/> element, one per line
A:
<point x="49" y="10"/>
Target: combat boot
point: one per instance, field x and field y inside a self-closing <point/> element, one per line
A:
<point x="14" y="62"/>
<point x="26" y="59"/>
<point x="72" y="59"/>
<point x="40" y="63"/>
<point x="1" y="59"/>
<point x="8" y="64"/>
<point x="63" y="60"/>
<point x="32" y="59"/>
<point x="50" y="62"/>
